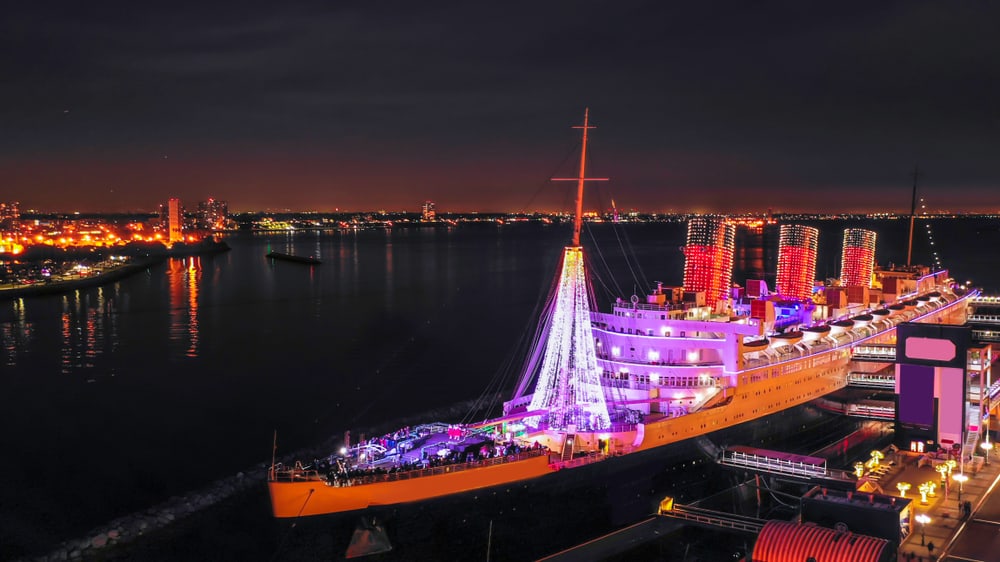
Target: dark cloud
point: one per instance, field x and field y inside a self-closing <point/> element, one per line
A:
<point x="702" y="104"/>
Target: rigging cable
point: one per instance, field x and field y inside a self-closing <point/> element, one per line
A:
<point x="292" y="527"/>
<point x="547" y="180"/>
<point x="935" y="259"/>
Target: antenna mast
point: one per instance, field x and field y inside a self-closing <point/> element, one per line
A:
<point x="913" y="213"/>
<point x="578" y="219"/>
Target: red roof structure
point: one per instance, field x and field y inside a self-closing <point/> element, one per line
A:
<point x="782" y="541"/>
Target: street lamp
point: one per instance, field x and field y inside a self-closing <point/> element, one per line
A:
<point x="923" y="520"/>
<point x="961" y="481"/>
<point x="986" y="446"/>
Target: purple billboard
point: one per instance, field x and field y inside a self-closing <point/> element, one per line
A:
<point x="916" y="395"/>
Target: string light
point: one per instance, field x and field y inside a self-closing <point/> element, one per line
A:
<point x="569" y="384"/>
<point x="708" y="257"/>
<point x="857" y="260"/>
<point x="930" y="238"/>
<point x="797" y="247"/>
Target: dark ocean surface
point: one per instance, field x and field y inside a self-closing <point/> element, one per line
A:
<point x="115" y="399"/>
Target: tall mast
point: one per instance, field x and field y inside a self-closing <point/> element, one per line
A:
<point x="913" y="213"/>
<point x="578" y="218"/>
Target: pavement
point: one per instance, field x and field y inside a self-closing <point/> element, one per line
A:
<point x="948" y="536"/>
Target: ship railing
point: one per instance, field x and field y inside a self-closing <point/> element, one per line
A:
<point x="771" y="464"/>
<point x="280" y="473"/>
<point x="578" y="461"/>
<point x="376" y="478"/>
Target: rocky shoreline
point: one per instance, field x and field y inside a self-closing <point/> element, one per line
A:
<point x="135" y="525"/>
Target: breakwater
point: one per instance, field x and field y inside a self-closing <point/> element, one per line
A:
<point x="59" y="287"/>
<point x="141" y="524"/>
<point x="135" y="525"/>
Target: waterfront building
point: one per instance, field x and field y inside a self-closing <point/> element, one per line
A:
<point x="9" y="214"/>
<point x="428" y="213"/>
<point x="174" y="220"/>
<point x="797" y="246"/>
<point x="212" y="214"/>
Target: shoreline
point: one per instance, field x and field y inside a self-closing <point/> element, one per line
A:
<point x="59" y="287"/>
<point x="105" y="277"/>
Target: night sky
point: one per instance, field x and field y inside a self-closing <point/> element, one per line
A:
<point x="700" y="106"/>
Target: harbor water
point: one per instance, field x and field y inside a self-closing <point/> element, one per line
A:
<point x="116" y="399"/>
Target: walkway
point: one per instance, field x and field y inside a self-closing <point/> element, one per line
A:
<point x="954" y="539"/>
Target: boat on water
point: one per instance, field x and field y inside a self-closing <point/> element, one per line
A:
<point x="310" y="260"/>
<point x="605" y="388"/>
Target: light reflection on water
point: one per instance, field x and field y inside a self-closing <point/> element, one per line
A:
<point x="16" y="334"/>
<point x="86" y="319"/>
<point x="391" y="324"/>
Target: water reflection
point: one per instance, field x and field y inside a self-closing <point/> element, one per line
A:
<point x="17" y="334"/>
<point x="184" y="279"/>
<point x="85" y="320"/>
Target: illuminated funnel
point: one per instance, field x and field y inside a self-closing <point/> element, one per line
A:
<point x="797" y="246"/>
<point x="857" y="261"/>
<point x="569" y="383"/>
<point x="708" y="257"/>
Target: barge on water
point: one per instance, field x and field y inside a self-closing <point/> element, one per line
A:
<point x="309" y="260"/>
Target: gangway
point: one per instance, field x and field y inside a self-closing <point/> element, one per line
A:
<point x="709" y="517"/>
<point x="882" y="353"/>
<point x="885" y="381"/>
<point x="786" y="464"/>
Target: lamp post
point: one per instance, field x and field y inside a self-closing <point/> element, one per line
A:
<point x="986" y="446"/>
<point x="961" y="484"/>
<point x="923" y="519"/>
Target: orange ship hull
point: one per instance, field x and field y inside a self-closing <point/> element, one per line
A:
<point x="315" y="497"/>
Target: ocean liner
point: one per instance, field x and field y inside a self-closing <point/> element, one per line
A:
<point x="599" y="387"/>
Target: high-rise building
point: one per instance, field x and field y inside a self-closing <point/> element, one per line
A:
<point x="797" y="245"/>
<point x="857" y="261"/>
<point x="9" y="215"/>
<point x="212" y="214"/>
<point x="429" y="213"/>
<point x="708" y="257"/>
<point x="174" y="220"/>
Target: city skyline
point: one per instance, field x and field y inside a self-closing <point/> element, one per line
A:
<point x="711" y="108"/>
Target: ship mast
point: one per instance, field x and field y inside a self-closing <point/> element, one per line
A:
<point x="578" y="216"/>
<point x="568" y="389"/>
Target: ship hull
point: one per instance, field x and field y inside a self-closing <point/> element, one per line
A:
<point x="315" y="497"/>
<point x="762" y="393"/>
<point x="535" y="517"/>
